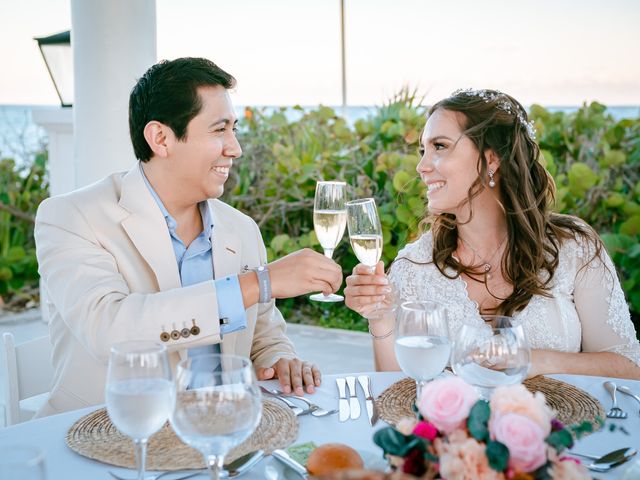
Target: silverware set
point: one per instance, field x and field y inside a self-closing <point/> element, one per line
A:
<point x="615" y="411"/>
<point x="286" y="398"/>
<point x="348" y="402"/>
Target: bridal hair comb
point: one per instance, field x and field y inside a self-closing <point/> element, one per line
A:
<point x="503" y="104"/>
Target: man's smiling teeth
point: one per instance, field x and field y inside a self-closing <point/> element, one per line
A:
<point x="223" y="170"/>
<point x="435" y="186"/>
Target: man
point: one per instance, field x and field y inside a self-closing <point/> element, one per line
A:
<point x="150" y="253"/>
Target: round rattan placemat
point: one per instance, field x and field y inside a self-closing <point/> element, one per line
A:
<point x="94" y="436"/>
<point x="571" y="404"/>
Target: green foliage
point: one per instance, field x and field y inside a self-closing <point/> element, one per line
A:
<point x="498" y="455"/>
<point x="22" y="188"/>
<point x="560" y="439"/>
<point x="478" y="421"/>
<point x="594" y="160"/>
<point x="395" y="443"/>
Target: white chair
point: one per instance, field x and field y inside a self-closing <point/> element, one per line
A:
<point x="27" y="372"/>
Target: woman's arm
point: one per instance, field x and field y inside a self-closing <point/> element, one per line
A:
<point x="604" y="364"/>
<point x="365" y="293"/>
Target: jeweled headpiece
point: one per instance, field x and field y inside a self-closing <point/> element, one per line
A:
<point x="503" y="104"/>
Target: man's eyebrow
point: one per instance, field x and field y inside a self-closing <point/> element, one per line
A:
<point x="226" y="121"/>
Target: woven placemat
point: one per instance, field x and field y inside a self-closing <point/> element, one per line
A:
<point x="571" y="404"/>
<point x="94" y="436"/>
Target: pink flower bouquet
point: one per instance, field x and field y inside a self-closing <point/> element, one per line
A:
<point x="458" y="436"/>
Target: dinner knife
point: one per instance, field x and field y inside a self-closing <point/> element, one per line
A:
<point x="354" y="404"/>
<point x="290" y="462"/>
<point x="370" y="403"/>
<point x="343" y="403"/>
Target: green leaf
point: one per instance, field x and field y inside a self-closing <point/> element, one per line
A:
<point x="560" y="440"/>
<point x="498" y="455"/>
<point x="581" y="179"/>
<point x="614" y="158"/>
<point x="395" y="443"/>
<point x="631" y="226"/>
<point x="402" y="181"/>
<point x="478" y="421"/>
<point x="279" y="241"/>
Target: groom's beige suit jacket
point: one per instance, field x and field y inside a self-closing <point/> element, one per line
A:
<point x="110" y="274"/>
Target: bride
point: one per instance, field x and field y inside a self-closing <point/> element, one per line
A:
<point x="495" y="247"/>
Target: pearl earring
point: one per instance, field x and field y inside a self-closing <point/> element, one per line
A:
<point x="492" y="182"/>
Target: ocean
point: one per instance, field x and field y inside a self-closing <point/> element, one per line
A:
<point x="20" y="138"/>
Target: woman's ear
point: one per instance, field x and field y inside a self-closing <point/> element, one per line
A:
<point x="156" y="135"/>
<point x="493" y="161"/>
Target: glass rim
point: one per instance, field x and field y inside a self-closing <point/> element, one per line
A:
<point x="245" y="360"/>
<point x="360" y="201"/>
<point x="128" y="347"/>
<point x="407" y="305"/>
<point x="331" y="182"/>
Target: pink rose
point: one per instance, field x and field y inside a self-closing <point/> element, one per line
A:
<point x="464" y="458"/>
<point x="517" y="399"/>
<point x="425" y="430"/>
<point x="523" y="437"/>
<point x="446" y="403"/>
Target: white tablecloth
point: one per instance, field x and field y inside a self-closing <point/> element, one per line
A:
<point x="62" y="463"/>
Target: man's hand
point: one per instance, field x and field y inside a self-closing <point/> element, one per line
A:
<point x="294" y="374"/>
<point x="303" y="272"/>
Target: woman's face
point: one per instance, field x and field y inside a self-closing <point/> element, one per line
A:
<point x="448" y="166"/>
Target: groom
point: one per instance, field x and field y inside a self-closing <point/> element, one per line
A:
<point x="151" y="254"/>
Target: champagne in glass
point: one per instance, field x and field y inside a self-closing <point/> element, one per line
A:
<point x="365" y="232"/>
<point x="491" y="354"/>
<point x="329" y="222"/>
<point x="216" y="409"/>
<point x="422" y="341"/>
<point x="139" y="392"/>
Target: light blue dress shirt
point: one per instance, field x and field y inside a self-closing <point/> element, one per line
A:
<point x="195" y="265"/>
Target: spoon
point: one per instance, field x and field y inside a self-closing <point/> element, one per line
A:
<point x="613" y="459"/>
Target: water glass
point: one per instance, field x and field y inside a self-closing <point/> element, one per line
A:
<point x="490" y="354"/>
<point x="329" y="222"/>
<point x="218" y="405"/>
<point x="22" y="462"/>
<point x="422" y="341"/>
<point x="139" y="392"/>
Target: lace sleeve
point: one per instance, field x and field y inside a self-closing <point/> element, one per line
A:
<point x="603" y="311"/>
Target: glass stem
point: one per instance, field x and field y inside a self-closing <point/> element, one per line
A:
<point x="419" y="386"/>
<point x="215" y="465"/>
<point x="328" y="252"/>
<point x="140" y="447"/>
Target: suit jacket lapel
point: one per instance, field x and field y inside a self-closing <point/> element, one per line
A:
<point x="226" y="254"/>
<point x="147" y="229"/>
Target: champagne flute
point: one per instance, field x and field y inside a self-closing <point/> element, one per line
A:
<point x="139" y="392"/>
<point x="329" y="222"/>
<point x="491" y="354"/>
<point x="422" y="341"/>
<point x="365" y="231"/>
<point x="216" y="408"/>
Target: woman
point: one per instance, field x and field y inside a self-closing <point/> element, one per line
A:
<point x="495" y="247"/>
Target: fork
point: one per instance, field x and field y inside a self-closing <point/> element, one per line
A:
<point x="297" y="411"/>
<point x="316" y="410"/>
<point x="615" y="411"/>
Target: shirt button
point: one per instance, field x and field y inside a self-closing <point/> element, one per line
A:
<point x="175" y="334"/>
<point x="164" y="336"/>
<point x="185" y="332"/>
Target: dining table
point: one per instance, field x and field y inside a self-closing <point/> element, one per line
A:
<point x="48" y="434"/>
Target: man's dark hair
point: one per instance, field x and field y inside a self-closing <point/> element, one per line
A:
<point x="168" y="93"/>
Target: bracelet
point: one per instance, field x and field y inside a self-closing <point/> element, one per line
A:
<point x="380" y="337"/>
<point x="264" y="283"/>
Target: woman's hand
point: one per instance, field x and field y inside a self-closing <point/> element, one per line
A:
<point x="366" y="290"/>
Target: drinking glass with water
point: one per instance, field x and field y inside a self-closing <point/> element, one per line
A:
<point x="491" y="354"/>
<point x="422" y="341"/>
<point x="139" y="392"/>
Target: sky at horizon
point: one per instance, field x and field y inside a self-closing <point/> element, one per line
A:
<point x="286" y="52"/>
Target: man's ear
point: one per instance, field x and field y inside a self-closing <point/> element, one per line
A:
<point x="158" y="136"/>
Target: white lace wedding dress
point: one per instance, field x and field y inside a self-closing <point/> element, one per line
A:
<point x="587" y="312"/>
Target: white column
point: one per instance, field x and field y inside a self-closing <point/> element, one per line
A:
<point x="58" y="123"/>
<point x="114" y="43"/>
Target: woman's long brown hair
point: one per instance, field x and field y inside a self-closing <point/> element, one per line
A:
<point x="534" y="232"/>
